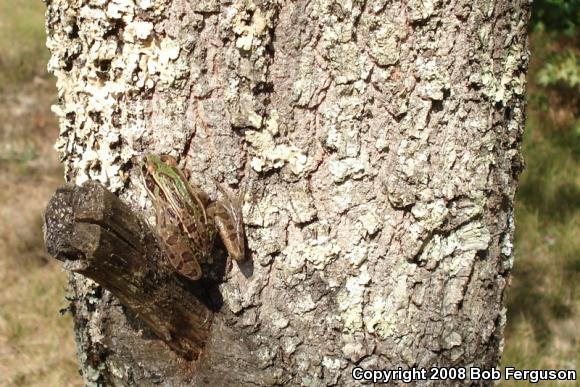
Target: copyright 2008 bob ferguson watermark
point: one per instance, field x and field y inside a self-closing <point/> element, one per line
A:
<point x="460" y="374"/>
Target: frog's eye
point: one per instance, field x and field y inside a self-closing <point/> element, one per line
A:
<point x="169" y="160"/>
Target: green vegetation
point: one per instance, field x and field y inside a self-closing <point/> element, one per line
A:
<point x="564" y="67"/>
<point x="559" y="16"/>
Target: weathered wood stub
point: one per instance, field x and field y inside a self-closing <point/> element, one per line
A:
<point x="98" y="236"/>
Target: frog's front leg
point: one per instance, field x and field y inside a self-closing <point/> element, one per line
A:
<point x="227" y="217"/>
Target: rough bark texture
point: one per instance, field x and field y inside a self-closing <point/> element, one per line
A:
<point x="378" y="143"/>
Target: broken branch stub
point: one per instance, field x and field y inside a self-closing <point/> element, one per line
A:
<point x="97" y="235"/>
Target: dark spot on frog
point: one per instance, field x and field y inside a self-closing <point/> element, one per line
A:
<point x="172" y="240"/>
<point x="187" y="256"/>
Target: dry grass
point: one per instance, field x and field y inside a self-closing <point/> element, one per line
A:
<point x="36" y="342"/>
<point x="22" y="38"/>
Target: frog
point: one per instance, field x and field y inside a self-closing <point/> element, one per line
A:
<point x="187" y="220"/>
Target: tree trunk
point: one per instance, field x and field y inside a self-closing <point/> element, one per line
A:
<point x="378" y="146"/>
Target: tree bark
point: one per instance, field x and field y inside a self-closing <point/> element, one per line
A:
<point x="378" y="146"/>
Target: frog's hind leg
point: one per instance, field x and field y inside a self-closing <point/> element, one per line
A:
<point x="180" y="256"/>
<point x="176" y="246"/>
<point x="227" y="216"/>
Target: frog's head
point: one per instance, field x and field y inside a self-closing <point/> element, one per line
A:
<point x="156" y="172"/>
<point x="160" y="174"/>
<point x="155" y="165"/>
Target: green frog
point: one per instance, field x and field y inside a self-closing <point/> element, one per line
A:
<point x="187" y="219"/>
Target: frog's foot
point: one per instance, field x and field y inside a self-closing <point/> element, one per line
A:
<point x="227" y="216"/>
<point x="228" y="222"/>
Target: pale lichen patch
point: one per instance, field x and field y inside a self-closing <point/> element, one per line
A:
<point x="430" y="215"/>
<point x="423" y="9"/>
<point x="368" y="223"/>
<point x="289" y="344"/>
<point x="300" y="206"/>
<point x="434" y="80"/>
<point x="332" y="364"/>
<point x="384" y="43"/>
<point x="318" y="252"/>
<point x="121" y="9"/>
<point x="348" y="64"/>
<point x="351" y="299"/>
<point x="511" y="80"/>
<point x="347" y="168"/>
<point x="353" y="350"/>
<point x="145" y="4"/>
<point x="473" y="236"/>
<point x="95" y="95"/>
<point x="268" y="155"/>
<point x="358" y="253"/>
<point x="384" y="313"/>
<point x="249" y="24"/>
<point x="249" y="32"/>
